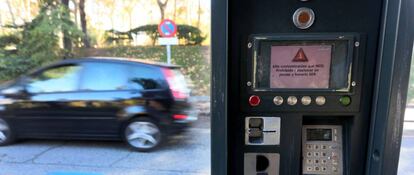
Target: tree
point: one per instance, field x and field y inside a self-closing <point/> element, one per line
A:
<point x="67" y="43"/>
<point x="175" y="10"/>
<point x="85" y="39"/>
<point x="199" y="12"/>
<point x="162" y="6"/>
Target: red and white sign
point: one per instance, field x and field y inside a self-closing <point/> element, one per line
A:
<point x="167" y="28"/>
<point x="300" y="66"/>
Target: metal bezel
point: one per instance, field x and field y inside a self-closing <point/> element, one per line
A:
<point x="350" y="38"/>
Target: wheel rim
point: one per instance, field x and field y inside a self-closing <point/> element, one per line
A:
<point x="143" y="135"/>
<point x="4" y="131"/>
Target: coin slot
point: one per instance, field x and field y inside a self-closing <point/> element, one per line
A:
<point x="262" y="163"/>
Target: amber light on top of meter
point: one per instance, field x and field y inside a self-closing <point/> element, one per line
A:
<point x="303" y="18"/>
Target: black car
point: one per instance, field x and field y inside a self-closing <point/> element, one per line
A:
<point x="97" y="98"/>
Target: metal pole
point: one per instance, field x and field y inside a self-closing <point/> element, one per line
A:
<point x="168" y="54"/>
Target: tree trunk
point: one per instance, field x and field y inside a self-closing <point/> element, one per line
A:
<point x="67" y="43"/>
<point x="162" y="6"/>
<point x="175" y="10"/>
<point x="76" y="12"/>
<point x="199" y="14"/>
<point x="85" y="39"/>
<point x="11" y="13"/>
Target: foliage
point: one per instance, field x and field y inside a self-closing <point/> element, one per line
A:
<point x="151" y="30"/>
<point x="410" y="95"/>
<point x="12" y="67"/>
<point x="189" y="34"/>
<point x="191" y="59"/>
<point x="38" y="42"/>
<point x="41" y="36"/>
<point x="8" y="44"/>
<point x="117" y="37"/>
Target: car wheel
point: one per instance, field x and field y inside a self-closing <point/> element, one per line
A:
<point x="6" y="136"/>
<point x="142" y="134"/>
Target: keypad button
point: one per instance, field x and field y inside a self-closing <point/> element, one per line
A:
<point x="292" y="100"/>
<point x="309" y="146"/>
<point x="324" y="154"/>
<point x="316" y="168"/>
<point x="309" y="161"/>
<point x="316" y="154"/>
<point x="320" y="100"/>
<point x="306" y="100"/>
<point x="334" y="169"/>
<point x="323" y="146"/>
<point x="278" y="100"/>
<point x="324" y="161"/>
<point x="323" y="168"/>
<point x="309" y="168"/>
<point x="316" y="161"/>
<point x="309" y="154"/>
<point x="316" y="147"/>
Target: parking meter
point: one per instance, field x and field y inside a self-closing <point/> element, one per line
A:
<point x="296" y="85"/>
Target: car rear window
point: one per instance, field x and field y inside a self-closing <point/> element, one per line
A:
<point x="104" y="76"/>
<point x="145" y="77"/>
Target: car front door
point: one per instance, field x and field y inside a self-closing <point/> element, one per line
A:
<point x="42" y="110"/>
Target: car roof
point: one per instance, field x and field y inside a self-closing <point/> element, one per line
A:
<point x="117" y="60"/>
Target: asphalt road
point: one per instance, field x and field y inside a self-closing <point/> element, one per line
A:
<point x="188" y="154"/>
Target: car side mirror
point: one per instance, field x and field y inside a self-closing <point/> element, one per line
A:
<point x="14" y="91"/>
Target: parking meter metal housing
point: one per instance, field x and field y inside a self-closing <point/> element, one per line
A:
<point x="330" y="122"/>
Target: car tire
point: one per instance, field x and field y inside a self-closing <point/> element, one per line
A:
<point x="6" y="134"/>
<point x="142" y="134"/>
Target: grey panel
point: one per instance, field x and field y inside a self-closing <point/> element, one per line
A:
<point x="322" y="155"/>
<point x="270" y="131"/>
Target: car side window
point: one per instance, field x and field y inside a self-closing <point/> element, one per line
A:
<point x="104" y="76"/>
<point x="55" y="79"/>
<point x="145" y="78"/>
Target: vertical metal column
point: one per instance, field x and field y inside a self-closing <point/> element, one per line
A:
<point x="394" y="58"/>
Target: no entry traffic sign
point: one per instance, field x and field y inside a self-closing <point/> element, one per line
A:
<point x="167" y="28"/>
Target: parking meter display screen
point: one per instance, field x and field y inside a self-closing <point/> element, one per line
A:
<point x="307" y="65"/>
<point x="300" y="66"/>
<point x="319" y="134"/>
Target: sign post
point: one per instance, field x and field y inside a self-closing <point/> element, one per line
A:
<point x="167" y="29"/>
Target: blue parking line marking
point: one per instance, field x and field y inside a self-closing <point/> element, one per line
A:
<point x="73" y="173"/>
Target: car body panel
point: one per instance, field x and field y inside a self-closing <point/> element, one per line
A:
<point x="88" y="114"/>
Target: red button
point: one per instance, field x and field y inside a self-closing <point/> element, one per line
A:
<point x="254" y="100"/>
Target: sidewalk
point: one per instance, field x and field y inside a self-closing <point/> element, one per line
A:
<point x="407" y="145"/>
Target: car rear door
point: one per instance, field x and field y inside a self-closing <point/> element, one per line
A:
<point x="103" y="97"/>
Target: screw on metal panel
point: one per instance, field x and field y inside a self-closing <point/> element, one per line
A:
<point x="353" y="83"/>
<point x="249" y="83"/>
<point x="357" y="44"/>
<point x="249" y="45"/>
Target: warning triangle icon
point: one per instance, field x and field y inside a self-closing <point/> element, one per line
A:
<point x="300" y="56"/>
